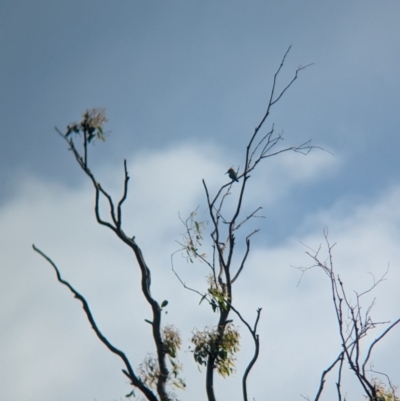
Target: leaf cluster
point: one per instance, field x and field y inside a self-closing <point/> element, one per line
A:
<point x="192" y="238"/>
<point x="216" y="295"/>
<point x="149" y="371"/>
<point x="384" y="394"/>
<point x="223" y="348"/>
<point x="91" y="124"/>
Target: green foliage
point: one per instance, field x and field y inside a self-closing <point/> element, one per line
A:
<point x="192" y="238"/>
<point x="149" y="370"/>
<point x="384" y="394"/>
<point x="216" y="295"/>
<point x="131" y="394"/>
<point x="171" y="340"/>
<point x="222" y="348"/>
<point x="91" y="125"/>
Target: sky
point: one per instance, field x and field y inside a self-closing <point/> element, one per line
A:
<point x="184" y="84"/>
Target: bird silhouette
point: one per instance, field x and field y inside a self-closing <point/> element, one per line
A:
<point x="232" y="174"/>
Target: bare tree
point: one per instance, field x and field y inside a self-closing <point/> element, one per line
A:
<point x="354" y="326"/>
<point x="213" y="347"/>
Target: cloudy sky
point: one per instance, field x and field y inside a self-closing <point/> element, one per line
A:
<point x="184" y="84"/>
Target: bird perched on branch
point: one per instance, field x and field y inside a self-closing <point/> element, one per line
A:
<point x="232" y="174"/>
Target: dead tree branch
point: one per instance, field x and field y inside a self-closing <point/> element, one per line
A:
<point x="354" y="328"/>
<point x="128" y="371"/>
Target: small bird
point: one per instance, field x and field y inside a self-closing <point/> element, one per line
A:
<point x="232" y="174"/>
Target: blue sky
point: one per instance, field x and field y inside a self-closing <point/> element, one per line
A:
<point x="184" y="84"/>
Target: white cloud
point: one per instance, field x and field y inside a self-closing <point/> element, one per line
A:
<point x="278" y="175"/>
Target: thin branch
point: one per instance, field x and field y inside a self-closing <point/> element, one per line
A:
<point x="253" y="214"/>
<point x="181" y="281"/>
<point x="136" y="381"/>
<point x="291" y="82"/>
<point x="245" y="256"/>
<point x="325" y="372"/>
<point x="110" y="203"/>
<point x="339" y="381"/>
<point x="124" y="195"/>
<point x="267" y="137"/>
<point x="256" y="339"/>
<point x="376" y="342"/>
